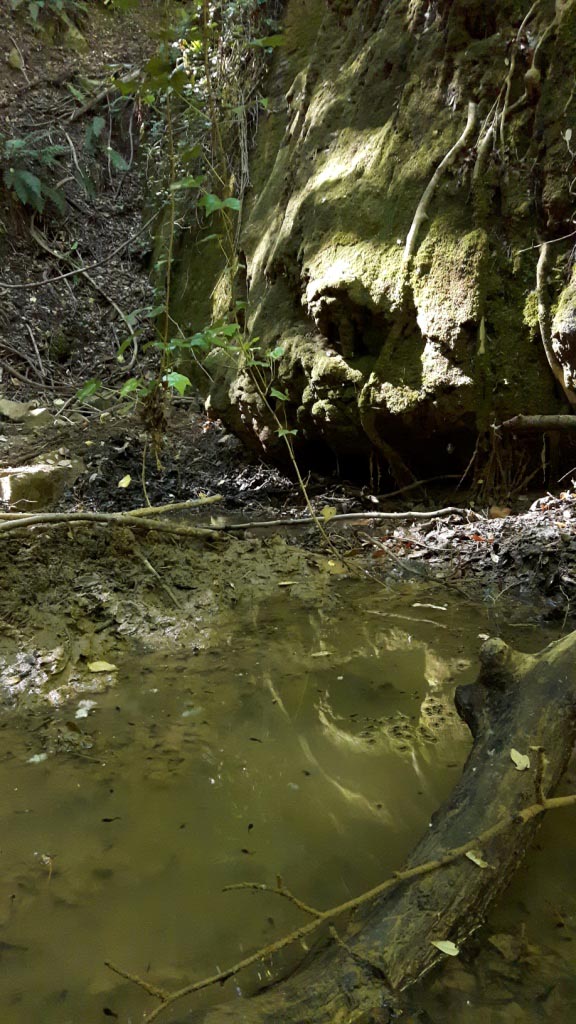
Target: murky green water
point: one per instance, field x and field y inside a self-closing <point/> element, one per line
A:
<point x="308" y="743"/>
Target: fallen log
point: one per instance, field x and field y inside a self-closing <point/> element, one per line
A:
<point x="522" y="714"/>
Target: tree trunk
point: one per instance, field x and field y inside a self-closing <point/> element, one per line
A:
<point x="519" y="702"/>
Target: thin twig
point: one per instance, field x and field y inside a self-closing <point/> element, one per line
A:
<point x="278" y="891"/>
<point x="158" y="993"/>
<point x="551" y="241"/>
<point x="107" y="518"/>
<point x="35" y="346"/>
<point x="165" y="586"/>
<point x="151" y="510"/>
<point x="351" y="517"/>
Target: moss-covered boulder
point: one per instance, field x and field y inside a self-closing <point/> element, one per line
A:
<point x="409" y="356"/>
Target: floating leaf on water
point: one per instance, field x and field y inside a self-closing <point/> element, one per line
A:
<point x="447" y="947"/>
<point x="125" y="481"/>
<point x="320" y="654"/>
<point x="101" y="666"/>
<point x="521" y="761"/>
<point x="476" y="857"/>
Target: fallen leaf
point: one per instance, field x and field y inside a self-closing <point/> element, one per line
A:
<point x="328" y="513"/>
<point x="125" y="481"/>
<point x="521" y="761"/>
<point x="476" y="857"/>
<point x="498" y="512"/>
<point x="101" y="666"/>
<point x="447" y="947"/>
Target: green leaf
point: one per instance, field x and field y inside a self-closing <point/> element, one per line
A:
<point x="228" y="330"/>
<point x="57" y="197"/>
<point x="328" y="513"/>
<point x="283" y="432"/>
<point x="12" y="146"/>
<point x="28" y="188"/>
<point x="190" y="182"/>
<point x="178" y="381"/>
<point x="232" y="203"/>
<point x="88" y="389"/>
<point x="77" y="93"/>
<point x="211" y="203"/>
<point x="197" y="341"/>
<point x="276" y="353"/>
<point x="129" y="386"/>
<point x="127" y="88"/>
<point x="33" y="182"/>
<point x="269" y="42"/>
<point x="279" y="394"/>
<point x="190" y="153"/>
<point x="97" y="126"/>
<point x="116" y="159"/>
<point x="121" y="350"/>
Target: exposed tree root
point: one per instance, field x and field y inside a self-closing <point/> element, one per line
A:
<point x="545" y="321"/>
<point x="540" y="423"/>
<point x="445" y="163"/>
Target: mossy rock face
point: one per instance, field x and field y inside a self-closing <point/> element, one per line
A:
<point x="365" y="100"/>
<point x="564" y="332"/>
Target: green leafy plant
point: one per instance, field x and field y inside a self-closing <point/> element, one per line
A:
<point x="26" y="164"/>
<point x="95" y="143"/>
<point x="44" y="10"/>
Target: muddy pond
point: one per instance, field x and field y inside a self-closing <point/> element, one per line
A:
<point x="307" y="742"/>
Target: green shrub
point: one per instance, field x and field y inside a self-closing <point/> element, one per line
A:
<point x="36" y="10"/>
<point x="26" y="165"/>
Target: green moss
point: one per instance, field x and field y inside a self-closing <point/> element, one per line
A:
<point x="359" y="124"/>
<point x="530" y="311"/>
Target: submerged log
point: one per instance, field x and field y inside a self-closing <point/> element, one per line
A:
<point x="520" y="703"/>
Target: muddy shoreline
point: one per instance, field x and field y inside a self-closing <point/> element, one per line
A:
<point x="96" y="591"/>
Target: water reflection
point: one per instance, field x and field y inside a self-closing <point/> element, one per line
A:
<point x="309" y="743"/>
